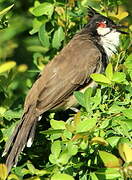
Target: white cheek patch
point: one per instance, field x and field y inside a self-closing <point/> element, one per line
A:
<point x="103" y="31"/>
<point x="110" y="42"/>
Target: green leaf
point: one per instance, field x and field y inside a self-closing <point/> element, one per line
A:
<point x="9" y="115"/>
<point x="43" y="36"/>
<point x="8" y="131"/>
<point x="125" y="152"/>
<point x="52" y="159"/>
<point x="116" y="109"/>
<point x="7" y="66"/>
<point x="119" y="77"/>
<point x="36" y="26"/>
<point x="51" y="131"/>
<point x="4" y="11"/>
<point x="108" y="174"/>
<point x="80" y="98"/>
<point x="58" y="37"/>
<point x="64" y="157"/>
<point x="128" y="113"/>
<point x="43" y="9"/>
<point x="129" y="58"/>
<point x="61" y="177"/>
<point x="13" y="177"/>
<point x="93" y="176"/>
<point x="3" y="172"/>
<point x="86" y="125"/>
<point x="96" y="99"/>
<point x="87" y="97"/>
<point x="113" y="141"/>
<point x="72" y="148"/>
<point x="100" y="78"/>
<point x="109" y="159"/>
<point x="99" y="140"/>
<point x="57" y="124"/>
<point x="56" y="148"/>
<point x="31" y="168"/>
<point x="109" y="71"/>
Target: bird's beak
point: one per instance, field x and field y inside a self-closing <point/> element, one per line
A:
<point x="118" y="27"/>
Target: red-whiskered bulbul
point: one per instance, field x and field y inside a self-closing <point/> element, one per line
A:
<point x="88" y="52"/>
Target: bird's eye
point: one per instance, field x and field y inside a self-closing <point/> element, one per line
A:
<point x="101" y="24"/>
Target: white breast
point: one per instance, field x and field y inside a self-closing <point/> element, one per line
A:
<point x="109" y="40"/>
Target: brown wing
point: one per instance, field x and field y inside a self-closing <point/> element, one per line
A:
<point x="64" y="74"/>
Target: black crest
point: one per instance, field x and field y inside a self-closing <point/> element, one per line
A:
<point x="91" y="12"/>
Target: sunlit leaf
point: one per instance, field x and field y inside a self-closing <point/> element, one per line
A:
<point x="77" y="118"/>
<point x="99" y="140"/>
<point x="57" y="124"/>
<point x="4" y="11"/>
<point x="64" y="157"/>
<point x="119" y="77"/>
<point x="22" y="68"/>
<point x="72" y="148"/>
<point x="125" y="152"/>
<point x="87" y="97"/>
<point x="13" y="177"/>
<point x="108" y="173"/>
<point x="100" y="78"/>
<point x="109" y="71"/>
<point x="7" y="66"/>
<point x="109" y="159"/>
<point x="93" y="176"/>
<point x="61" y="177"/>
<point x="43" y="9"/>
<point x="56" y="148"/>
<point x="86" y="125"/>
<point x="121" y="13"/>
<point x="128" y="113"/>
<point x="3" y="172"/>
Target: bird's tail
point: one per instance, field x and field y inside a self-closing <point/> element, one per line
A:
<point x="22" y="135"/>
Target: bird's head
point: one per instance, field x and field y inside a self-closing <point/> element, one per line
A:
<point x="101" y="25"/>
<point x="105" y="30"/>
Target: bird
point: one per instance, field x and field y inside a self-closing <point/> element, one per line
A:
<point x="87" y="52"/>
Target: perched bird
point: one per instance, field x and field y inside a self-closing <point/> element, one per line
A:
<point x="88" y="52"/>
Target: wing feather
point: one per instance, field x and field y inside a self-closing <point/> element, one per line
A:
<point x="65" y="73"/>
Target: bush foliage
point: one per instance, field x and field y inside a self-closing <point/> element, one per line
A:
<point x="95" y="142"/>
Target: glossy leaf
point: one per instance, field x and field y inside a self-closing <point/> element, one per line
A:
<point x="109" y="71"/>
<point x="87" y="97"/>
<point x="100" y="78"/>
<point x="72" y="148"/>
<point x="7" y="66"/>
<point x="99" y="140"/>
<point x="61" y="177"/>
<point x="109" y="160"/>
<point x="128" y="113"/>
<point x="57" y="124"/>
<point x="119" y="77"/>
<point x="56" y="148"/>
<point x="86" y="125"/>
<point x="64" y="157"/>
<point x="125" y="152"/>
<point x="4" y="11"/>
<point x="108" y="173"/>
<point x="43" y="9"/>
<point x="3" y="172"/>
